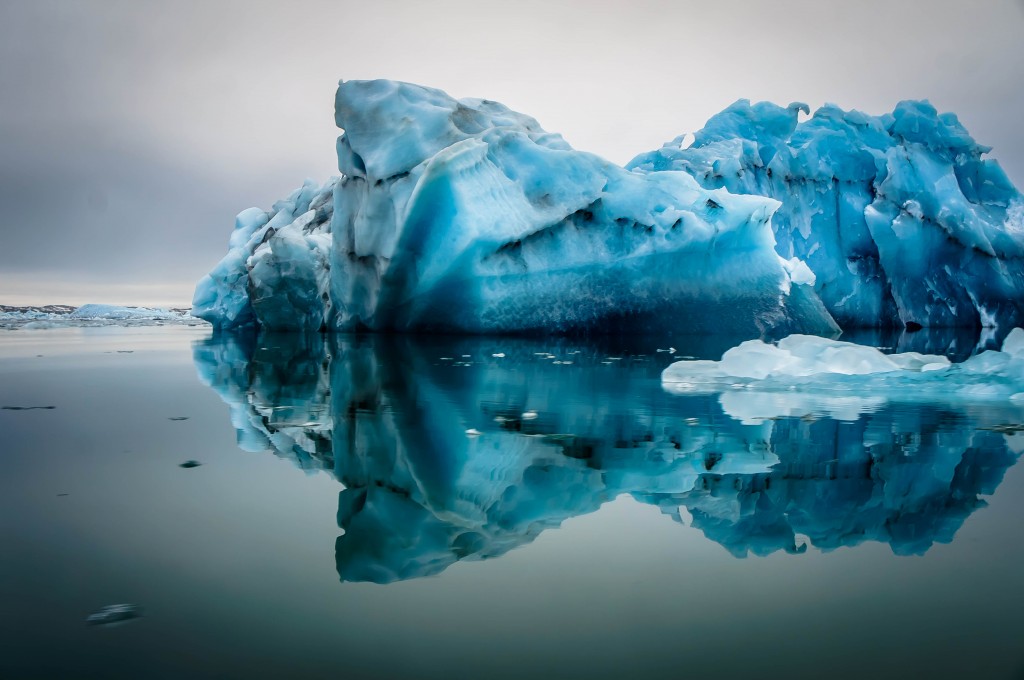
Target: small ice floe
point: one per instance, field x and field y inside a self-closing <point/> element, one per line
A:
<point x="529" y="415"/>
<point x="189" y="464"/>
<point x="114" y="613"/>
<point x="670" y="350"/>
<point x="499" y="355"/>
<point x="473" y="433"/>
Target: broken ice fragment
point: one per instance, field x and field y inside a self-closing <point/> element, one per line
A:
<point x="114" y="613"/>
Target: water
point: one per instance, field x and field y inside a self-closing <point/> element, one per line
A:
<point x="342" y="522"/>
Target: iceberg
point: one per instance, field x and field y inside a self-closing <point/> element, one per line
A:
<point x="901" y="219"/>
<point x="466" y="216"/>
<point x="462" y="215"/>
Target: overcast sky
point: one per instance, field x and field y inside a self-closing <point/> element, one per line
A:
<point x="132" y="132"/>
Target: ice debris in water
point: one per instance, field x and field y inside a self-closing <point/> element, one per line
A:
<point x="63" y="316"/>
<point x="114" y="613"/>
<point x="810" y="363"/>
<point x="897" y="220"/>
<point x="464" y="215"/>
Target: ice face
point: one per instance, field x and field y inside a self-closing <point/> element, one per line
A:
<point x="276" y="272"/>
<point x="466" y="449"/>
<point x="461" y="215"/>
<point x="901" y="219"/>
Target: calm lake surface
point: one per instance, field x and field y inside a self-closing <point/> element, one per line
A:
<point x="490" y="508"/>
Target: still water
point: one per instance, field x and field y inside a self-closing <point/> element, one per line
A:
<point x="489" y="508"/>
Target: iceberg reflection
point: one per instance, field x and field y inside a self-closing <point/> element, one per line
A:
<point x="462" y="448"/>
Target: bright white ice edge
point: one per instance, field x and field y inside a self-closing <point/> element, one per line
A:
<point x="463" y="215"/>
<point x="804" y="374"/>
<point x="92" y="315"/>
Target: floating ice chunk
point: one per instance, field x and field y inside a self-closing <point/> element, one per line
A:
<point x="97" y="311"/>
<point x="814" y="364"/>
<point x="114" y="613"/>
<point x="61" y="316"/>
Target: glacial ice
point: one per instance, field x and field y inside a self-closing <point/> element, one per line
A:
<point x="844" y="377"/>
<point x="901" y="219"/>
<point x="463" y="215"/>
<point x="117" y="312"/>
<point x="277" y="266"/>
<point x="389" y="417"/>
<point x="93" y="314"/>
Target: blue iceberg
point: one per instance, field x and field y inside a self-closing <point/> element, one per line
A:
<point x="465" y="216"/>
<point x="462" y="215"/>
<point x="901" y="219"/>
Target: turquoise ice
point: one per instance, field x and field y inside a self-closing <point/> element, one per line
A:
<point x="901" y="218"/>
<point x="462" y="215"/>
